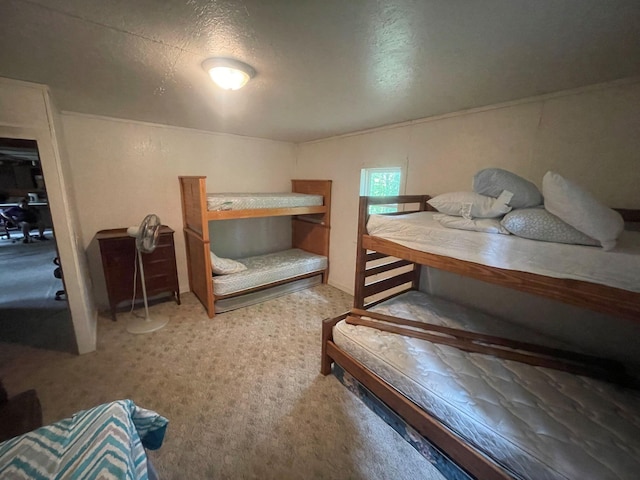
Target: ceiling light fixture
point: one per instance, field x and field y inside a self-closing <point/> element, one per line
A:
<point x="228" y="73"/>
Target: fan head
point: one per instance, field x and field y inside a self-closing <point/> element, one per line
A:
<point x="147" y="237"/>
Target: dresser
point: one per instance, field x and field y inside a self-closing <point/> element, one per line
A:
<point x="118" y="252"/>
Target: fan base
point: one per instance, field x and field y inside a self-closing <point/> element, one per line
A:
<point x="146" y="325"/>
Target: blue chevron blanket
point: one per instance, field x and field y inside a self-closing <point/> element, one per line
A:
<point x="105" y="442"/>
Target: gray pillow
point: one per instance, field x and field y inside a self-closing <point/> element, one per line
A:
<point x="539" y="224"/>
<point x="492" y="181"/>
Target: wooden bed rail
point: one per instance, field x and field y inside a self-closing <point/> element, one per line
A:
<point x="477" y="464"/>
<point x="380" y="276"/>
<point x="370" y="250"/>
<point x="500" y="347"/>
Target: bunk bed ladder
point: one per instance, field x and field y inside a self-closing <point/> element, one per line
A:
<point x="379" y="275"/>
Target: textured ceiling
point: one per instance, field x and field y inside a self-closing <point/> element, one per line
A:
<point x="325" y="67"/>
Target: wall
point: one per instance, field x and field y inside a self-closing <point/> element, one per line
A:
<point x="123" y="170"/>
<point x="589" y="135"/>
<point x="26" y="111"/>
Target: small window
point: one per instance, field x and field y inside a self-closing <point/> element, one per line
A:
<point x="381" y="182"/>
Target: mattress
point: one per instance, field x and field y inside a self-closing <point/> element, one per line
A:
<point x="618" y="268"/>
<point x="250" y="201"/>
<point x="538" y="423"/>
<point x="265" y="269"/>
<point x="252" y="298"/>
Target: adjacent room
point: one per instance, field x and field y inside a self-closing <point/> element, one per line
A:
<point x="405" y="244"/>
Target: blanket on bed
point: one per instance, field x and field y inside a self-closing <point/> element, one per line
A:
<point x="105" y="442"/>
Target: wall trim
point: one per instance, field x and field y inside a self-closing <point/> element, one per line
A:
<point x="67" y="113"/>
<point x="497" y="106"/>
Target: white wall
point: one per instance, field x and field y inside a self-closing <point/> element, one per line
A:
<point x="591" y="136"/>
<point x="123" y="170"/>
<point x="26" y="111"/>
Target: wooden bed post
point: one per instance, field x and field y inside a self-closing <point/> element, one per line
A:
<point x="196" y="238"/>
<point x="361" y="253"/>
<point x="327" y="336"/>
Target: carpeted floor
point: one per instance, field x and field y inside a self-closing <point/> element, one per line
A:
<point x="242" y="393"/>
<point x="29" y="313"/>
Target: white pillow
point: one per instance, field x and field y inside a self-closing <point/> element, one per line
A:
<point x="486" y="225"/>
<point x="492" y="182"/>
<point x="470" y="205"/>
<point x="577" y="207"/>
<point x="225" y="266"/>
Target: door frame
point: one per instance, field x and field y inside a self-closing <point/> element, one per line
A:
<point x="72" y="256"/>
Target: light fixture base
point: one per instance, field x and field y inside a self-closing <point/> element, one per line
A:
<point x="228" y="73"/>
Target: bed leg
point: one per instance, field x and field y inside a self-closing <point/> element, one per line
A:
<point x="327" y="336"/>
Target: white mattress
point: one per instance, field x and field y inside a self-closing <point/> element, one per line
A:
<point x="250" y="201"/>
<point x="541" y="423"/>
<point x="618" y="268"/>
<point x="252" y="298"/>
<point x="265" y="269"/>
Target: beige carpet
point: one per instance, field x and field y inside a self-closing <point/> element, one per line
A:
<point x="242" y="393"/>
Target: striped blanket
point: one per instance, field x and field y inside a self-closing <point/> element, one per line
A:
<point x="105" y="442"/>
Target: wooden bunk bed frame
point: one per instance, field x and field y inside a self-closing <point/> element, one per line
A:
<point x="601" y="298"/>
<point x="310" y="232"/>
<point x="401" y="268"/>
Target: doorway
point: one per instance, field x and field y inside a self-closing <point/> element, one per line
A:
<point x="33" y="306"/>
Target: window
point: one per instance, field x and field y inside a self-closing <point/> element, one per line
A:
<point x="381" y="182"/>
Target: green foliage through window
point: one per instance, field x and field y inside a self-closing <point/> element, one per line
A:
<point x="381" y="182"/>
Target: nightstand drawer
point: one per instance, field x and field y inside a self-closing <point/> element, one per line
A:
<point x="118" y="253"/>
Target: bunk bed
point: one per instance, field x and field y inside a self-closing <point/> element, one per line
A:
<point x="309" y="205"/>
<point x="476" y="415"/>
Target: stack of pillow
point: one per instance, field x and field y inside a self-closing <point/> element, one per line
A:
<point x="503" y="202"/>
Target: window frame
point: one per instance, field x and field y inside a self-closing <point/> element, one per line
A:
<point x="366" y="175"/>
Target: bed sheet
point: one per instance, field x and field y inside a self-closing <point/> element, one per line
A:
<point x="541" y="424"/>
<point x="269" y="268"/>
<point x="251" y="201"/>
<point x="619" y="268"/>
<point x="106" y="442"/>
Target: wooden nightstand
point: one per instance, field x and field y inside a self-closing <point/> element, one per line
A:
<point x="118" y="251"/>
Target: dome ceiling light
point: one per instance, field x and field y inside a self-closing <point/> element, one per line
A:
<point x="228" y="73"/>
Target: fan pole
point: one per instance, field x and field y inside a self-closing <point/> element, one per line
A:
<point x="146" y="324"/>
<point x="144" y="286"/>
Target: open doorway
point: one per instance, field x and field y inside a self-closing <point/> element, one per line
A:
<point x="33" y="306"/>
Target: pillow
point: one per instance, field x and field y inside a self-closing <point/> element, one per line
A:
<point x="539" y="224"/>
<point x="469" y="205"/>
<point x="492" y="181"/>
<point x="581" y="210"/>
<point x="225" y="266"/>
<point x="486" y="225"/>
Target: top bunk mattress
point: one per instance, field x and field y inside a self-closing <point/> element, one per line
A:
<point x="251" y="201"/>
<point x="619" y="268"/>
<point x="539" y="423"/>
<point x="269" y="268"/>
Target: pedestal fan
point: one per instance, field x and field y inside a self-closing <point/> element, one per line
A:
<point x="146" y="236"/>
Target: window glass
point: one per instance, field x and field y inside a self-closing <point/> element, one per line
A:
<point x="381" y="182"/>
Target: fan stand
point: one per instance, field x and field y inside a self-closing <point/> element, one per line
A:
<point x="147" y="324"/>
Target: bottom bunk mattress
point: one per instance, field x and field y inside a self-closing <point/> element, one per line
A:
<point x="537" y="423"/>
<point x="263" y="270"/>
<point x="240" y="301"/>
